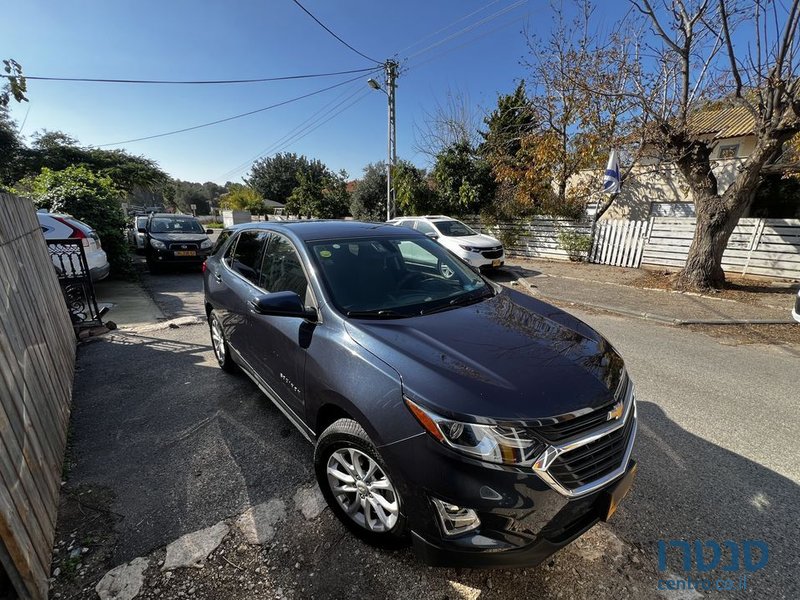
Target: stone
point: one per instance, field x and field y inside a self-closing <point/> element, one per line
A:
<point x="310" y="501"/>
<point x="192" y="549"/>
<point x="257" y="523"/>
<point x="122" y="582"/>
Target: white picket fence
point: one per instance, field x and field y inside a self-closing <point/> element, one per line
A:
<point x="768" y="247"/>
<point x="619" y="242"/>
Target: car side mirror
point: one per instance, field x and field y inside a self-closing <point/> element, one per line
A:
<point x="432" y="235"/>
<point x="209" y="231"/>
<point x="142" y="229"/>
<point x="281" y="304"/>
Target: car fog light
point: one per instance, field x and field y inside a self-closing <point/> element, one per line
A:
<point x="455" y="520"/>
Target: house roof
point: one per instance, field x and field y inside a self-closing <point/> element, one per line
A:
<point x="728" y="122"/>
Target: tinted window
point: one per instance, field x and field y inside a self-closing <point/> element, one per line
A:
<point x="246" y="257"/>
<point x="393" y="276"/>
<point x="141" y="222"/>
<point x="175" y="225"/>
<point x="453" y="228"/>
<point x="425" y="228"/>
<point x="282" y="270"/>
<point x="405" y="223"/>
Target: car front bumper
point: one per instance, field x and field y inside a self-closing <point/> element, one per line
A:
<point x="170" y="257"/>
<point x="476" y="259"/>
<point x="522" y="519"/>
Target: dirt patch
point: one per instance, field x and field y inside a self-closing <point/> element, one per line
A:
<point x="752" y="334"/>
<point x="85" y="541"/>
<point x="756" y="292"/>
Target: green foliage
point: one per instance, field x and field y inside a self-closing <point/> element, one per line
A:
<point x="275" y="177"/>
<point x="180" y="195"/>
<point x="16" y="87"/>
<point x="464" y="181"/>
<point x="10" y="145"/>
<point x="368" y="202"/>
<point x="89" y="197"/>
<point x="241" y="197"/>
<point x="577" y="245"/>
<point x="414" y="191"/>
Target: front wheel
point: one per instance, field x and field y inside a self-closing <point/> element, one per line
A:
<point x="220" y="345"/>
<point x="357" y="484"/>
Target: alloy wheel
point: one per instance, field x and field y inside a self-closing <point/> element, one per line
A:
<point x="363" y="489"/>
<point x="218" y="340"/>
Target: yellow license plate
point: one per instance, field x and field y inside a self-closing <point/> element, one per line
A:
<point x="185" y="253"/>
<point x="619" y="491"/>
<point x="496" y="263"/>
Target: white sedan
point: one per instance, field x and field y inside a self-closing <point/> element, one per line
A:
<point x="58" y="227"/>
<point x="476" y="249"/>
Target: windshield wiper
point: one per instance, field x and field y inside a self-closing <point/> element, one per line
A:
<point x="382" y="313"/>
<point x="464" y="299"/>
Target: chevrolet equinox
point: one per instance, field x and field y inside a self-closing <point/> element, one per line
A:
<point x="489" y="428"/>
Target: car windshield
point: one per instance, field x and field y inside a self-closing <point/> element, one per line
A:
<point x="452" y="228"/>
<point x="393" y="277"/>
<point x="175" y="225"/>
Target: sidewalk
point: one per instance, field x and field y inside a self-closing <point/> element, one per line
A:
<point x="129" y="304"/>
<point x="626" y="292"/>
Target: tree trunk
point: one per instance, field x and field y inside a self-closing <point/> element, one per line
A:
<point x="715" y="223"/>
<point x="717" y="216"/>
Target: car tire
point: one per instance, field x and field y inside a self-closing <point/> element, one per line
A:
<point x="220" y="345"/>
<point x="375" y="507"/>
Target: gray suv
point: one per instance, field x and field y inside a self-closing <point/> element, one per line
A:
<point x="485" y="426"/>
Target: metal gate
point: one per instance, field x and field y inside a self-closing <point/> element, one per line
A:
<point x="69" y="260"/>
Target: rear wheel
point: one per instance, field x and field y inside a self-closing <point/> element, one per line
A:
<point x="220" y="345"/>
<point x="357" y="484"/>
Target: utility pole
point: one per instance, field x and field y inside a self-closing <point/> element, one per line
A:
<point x="391" y="77"/>
<point x="391" y="159"/>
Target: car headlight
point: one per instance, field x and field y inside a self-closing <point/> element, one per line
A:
<point x="206" y="244"/>
<point x="470" y="248"/>
<point x="501" y="444"/>
<point x="158" y="244"/>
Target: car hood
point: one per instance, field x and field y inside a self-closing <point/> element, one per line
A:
<point x="508" y="358"/>
<point x="179" y="237"/>
<point x="479" y="240"/>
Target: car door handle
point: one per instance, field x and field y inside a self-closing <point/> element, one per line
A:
<point x="217" y="276"/>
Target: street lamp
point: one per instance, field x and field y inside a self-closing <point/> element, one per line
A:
<point x="391" y="76"/>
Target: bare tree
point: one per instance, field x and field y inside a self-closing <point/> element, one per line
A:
<point x="450" y="122"/>
<point x="691" y="58"/>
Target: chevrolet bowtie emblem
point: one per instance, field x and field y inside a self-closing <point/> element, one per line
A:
<point x="616" y="411"/>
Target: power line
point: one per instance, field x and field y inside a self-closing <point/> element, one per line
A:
<point x="231" y="118"/>
<point x="321" y="24"/>
<point x="332" y="104"/>
<point x="192" y="82"/>
<point x="446" y="27"/>
<point x="486" y="19"/>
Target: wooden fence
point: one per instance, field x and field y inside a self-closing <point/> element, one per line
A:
<point x="37" y="354"/>
<point x="769" y="247"/>
<point x="535" y="238"/>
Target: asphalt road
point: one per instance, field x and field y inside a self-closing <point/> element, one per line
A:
<point x="182" y="445"/>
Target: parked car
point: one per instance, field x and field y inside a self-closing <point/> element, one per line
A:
<point x="58" y="227"/>
<point x="796" y="309"/>
<point x="174" y="240"/>
<point x="136" y="239"/>
<point x="476" y="249"/>
<point x="484" y="425"/>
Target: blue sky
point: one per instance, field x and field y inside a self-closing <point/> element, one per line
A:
<point x="182" y="39"/>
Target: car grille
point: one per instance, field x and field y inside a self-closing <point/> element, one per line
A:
<point x="183" y="246"/>
<point x="583" y="424"/>
<point x="493" y="252"/>
<point x="596" y="459"/>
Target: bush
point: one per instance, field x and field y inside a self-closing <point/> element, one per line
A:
<point x="577" y="245"/>
<point x="91" y="198"/>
